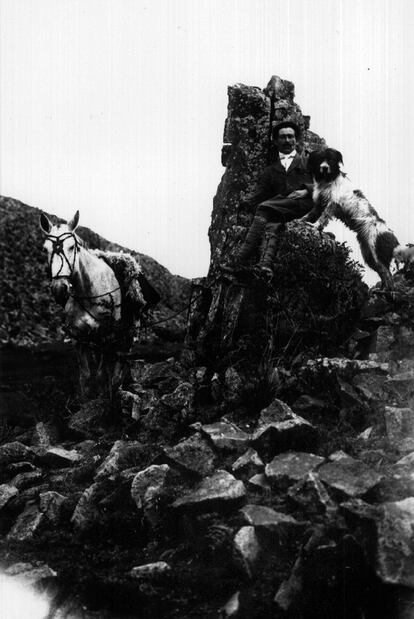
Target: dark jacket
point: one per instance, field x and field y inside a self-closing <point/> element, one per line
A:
<point x="276" y="181"/>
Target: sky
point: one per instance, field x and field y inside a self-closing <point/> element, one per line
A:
<point x="117" y="107"/>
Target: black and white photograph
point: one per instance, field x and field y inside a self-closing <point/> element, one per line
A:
<point x="206" y="309"/>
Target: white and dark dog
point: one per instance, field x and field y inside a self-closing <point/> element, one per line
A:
<point x="334" y="197"/>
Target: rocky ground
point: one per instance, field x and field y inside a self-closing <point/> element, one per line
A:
<point x="187" y="507"/>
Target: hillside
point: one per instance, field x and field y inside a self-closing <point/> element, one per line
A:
<point x="28" y="314"/>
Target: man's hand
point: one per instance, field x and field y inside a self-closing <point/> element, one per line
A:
<point x="299" y="193"/>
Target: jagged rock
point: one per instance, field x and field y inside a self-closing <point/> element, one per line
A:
<point x="248" y="464"/>
<point x="398" y="484"/>
<point x="150" y="489"/>
<point x="259" y="483"/>
<point x="122" y="455"/>
<point x="163" y="376"/>
<point x="87" y="508"/>
<point x="51" y="505"/>
<point x="29" y="574"/>
<point x="267" y="519"/>
<point x="390" y="541"/>
<point x="280" y="429"/>
<point x="310" y="494"/>
<point x="151" y="571"/>
<point x="15" y="452"/>
<point x="219" y="492"/>
<point x="180" y="400"/>
<point x="58" y="456"/>
<point x="7" y="492"/>
<point x="401" y="366"/>
<point x="365" y="435"/>
<point x="231" y="608"/>
<point x="226" y="436"/>
<point x="247" y="546"/>
<point x="348" y="394"/>
<point x="25" y="480"/>
<point x="290" y="589"/>
<point x="26" y="525"/>
<point x="399" y="424"/>
<point x="349" y="476"/>
<point x="193" y="456"/>
<point x="370" y="386"/>
<point x="399" y="389"/>
<point x="286" y="469"/>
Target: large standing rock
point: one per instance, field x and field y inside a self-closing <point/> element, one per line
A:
<point x="241" y="321"/>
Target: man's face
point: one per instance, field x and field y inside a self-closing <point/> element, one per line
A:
<point x="286" y="140"/>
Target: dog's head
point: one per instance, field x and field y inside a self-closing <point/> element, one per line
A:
<point x="325" y="164"/>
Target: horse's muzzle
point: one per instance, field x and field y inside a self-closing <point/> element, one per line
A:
<point x="61" y="290"/>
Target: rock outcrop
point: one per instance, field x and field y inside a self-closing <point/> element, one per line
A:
<point x="243" y="321"/>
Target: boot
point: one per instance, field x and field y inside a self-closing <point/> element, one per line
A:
<point x="251" y="243"/>
<point x="265" y="265"/>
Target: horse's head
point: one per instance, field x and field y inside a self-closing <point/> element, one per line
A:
<point x="62" y="247"/>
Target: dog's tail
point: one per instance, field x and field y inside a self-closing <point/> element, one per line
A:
<point x="404" y="253"/>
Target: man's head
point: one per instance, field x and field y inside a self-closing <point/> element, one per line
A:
<point x="286" y="135"/>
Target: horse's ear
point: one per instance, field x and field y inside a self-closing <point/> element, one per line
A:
<point x="73" y="223"/>
<point x="45" y="223"/>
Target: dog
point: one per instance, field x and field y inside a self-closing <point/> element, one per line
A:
<point x="334" y="196"/>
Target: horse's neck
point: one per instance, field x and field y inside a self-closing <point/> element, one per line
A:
<point x="93" y="276"/>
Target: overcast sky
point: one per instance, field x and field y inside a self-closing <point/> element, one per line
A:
<point x="117" y="107"/>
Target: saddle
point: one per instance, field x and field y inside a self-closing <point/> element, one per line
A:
<point x="138" y="294"/>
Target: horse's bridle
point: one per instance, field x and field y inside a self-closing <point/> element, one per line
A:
<point x="57" y="250"/>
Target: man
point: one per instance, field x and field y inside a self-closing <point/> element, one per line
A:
<point x="284" y="193"/>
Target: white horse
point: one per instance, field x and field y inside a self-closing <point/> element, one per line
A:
<point x="86" y="287"/>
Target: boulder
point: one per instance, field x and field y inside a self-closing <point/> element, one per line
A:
<point x="122" y="456"/>
<point x="287" y="469"/>
<point x="248" y="463"/>
<point x="59" y="457"/>
<point x="280" y="429"/>
<point x="226" y="436"/>
<point x="192" y="456"/>
<point x="399" y="423"/>
<point x="26" y="525"/>
<point x="150" y="491"/>
<point x="311" y="496"/>
<point x="220" y="492"/>
<point x="247" y="546"/>
<point x="349" y="477"/>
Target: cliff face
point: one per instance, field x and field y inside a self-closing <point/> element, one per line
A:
<point x="28" y="314"/>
